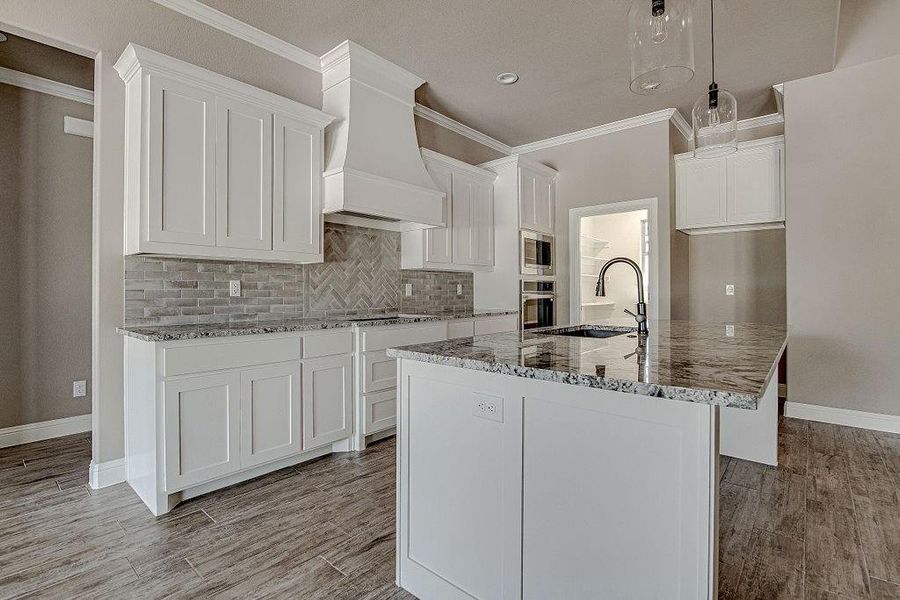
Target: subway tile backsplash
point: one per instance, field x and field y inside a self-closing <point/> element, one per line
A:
<point x="361" y="275"/>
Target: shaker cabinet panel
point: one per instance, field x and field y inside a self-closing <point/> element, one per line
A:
<point x="327" y="400"/>
<point x="754" y="186"/>
<point x="297" y="196"/>
<point x="463" y="215"/>
<point x="202" y="429"/>
<point x="243" y="176"/>
<point x="483" y="225"/>
<point x="182" y="135"/>
<point x="438" y="240"/>
<point x="270" y="413"/>
<point x="537" y="200"/>
<point x="702" y="193"/>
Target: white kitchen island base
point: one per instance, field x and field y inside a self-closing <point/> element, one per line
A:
<point x="512" y="487"/>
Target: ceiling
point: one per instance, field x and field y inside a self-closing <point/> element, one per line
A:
<point x="571" y="55"/>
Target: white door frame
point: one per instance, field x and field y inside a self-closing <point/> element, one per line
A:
<point x="575" y="216"/>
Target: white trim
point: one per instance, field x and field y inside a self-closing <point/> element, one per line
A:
<point x="79" y="127"/>
<point x="779" y="97"/>
<point x="843" y="416"/>
<point x="44" y="430"/>
<point x="45" y="86"/>
<point x="732" y="228"/>
<point x="575" y="216"/>
<point x="464" y="130"/>
<point x="136" y="58"/>
<point x="111" y="472"/>
<point x="757" y="143"/>
<point x="658" y="116"/>
<point x="517" y="160"/>
<point x="241" y="30"/>
<point x="682" y="125"/>
<point x="761" y="121"/>
<point x="448" y="161"/>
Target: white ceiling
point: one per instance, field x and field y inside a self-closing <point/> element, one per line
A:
<point x="571" y="55"/>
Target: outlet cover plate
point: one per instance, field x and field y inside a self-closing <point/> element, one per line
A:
<point x="488" y="407"/>
<point x="79" y="388"/>
<point x="234" y="288"/>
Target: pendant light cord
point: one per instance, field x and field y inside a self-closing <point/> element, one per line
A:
<point x="712" y="35"/>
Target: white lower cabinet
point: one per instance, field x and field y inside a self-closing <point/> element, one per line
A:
<point x="202" y="429"/>
<point x="205" y="414"/>
<point x="327" y="400"/>
<point x="270" y="413"/>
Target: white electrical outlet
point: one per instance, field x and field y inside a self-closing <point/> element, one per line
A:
<point x="459" y="289"/>
<point x="234" y="288"/>
<point x="488" y="407"/>
<point x="729" y="289"/>
<point x="407" y="289"/>
<point x="79" y="389"/>
<point x="729" y="330"/>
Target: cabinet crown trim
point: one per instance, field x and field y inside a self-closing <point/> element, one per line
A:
<point x="517" y="160"/>
<point x="775" y="140"/>
<point x="136" y="58"/>
<point x="430" y="156"/>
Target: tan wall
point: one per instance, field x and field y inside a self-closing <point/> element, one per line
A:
<point x="626" y="165"/>
<point x="843" y="237"/>
<point x="438" y="138"/>
<point x="29" y="56"/>
<point x="45" y="250"/>
<point x="753" y="261"/>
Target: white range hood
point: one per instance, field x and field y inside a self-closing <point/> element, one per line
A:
<point x="374" y="174"/>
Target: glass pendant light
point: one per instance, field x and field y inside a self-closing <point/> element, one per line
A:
<point x="715" y="113"/>
<point x="661" y="44"/>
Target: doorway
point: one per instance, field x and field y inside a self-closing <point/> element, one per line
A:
<point x="600" y="233"/>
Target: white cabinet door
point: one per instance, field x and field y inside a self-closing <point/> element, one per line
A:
<point x="243" y="176"/>
<point x="527" y="192"/>
<point x="297" y="188"/>
<point x="463" y="215"/>
<point x="327" y="401"/>
<point x="379" y="371"/>
<point x="202" y="429"/>
<point x="381" y="410"/>
<point x="270" y="413"/>
<point x="701" y="193"/>
<point x="460" y="328"/>
<point x="483" y="224"/>
<point x="182" y="163"/>
<point x="501" y="324"/>
<point x="754" y="186"/>
<point x="438" y="240"/>
<point x="544" y="203"/>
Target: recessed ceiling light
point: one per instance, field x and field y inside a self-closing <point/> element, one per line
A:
<point x="507" y="78"/>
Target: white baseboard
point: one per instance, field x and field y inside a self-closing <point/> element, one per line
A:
<point x="843" y="416"/>
<point x="44" y="430"/>
<point x="106" y="473"/>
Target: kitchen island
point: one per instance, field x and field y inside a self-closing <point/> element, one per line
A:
<point x="557" y="464"/>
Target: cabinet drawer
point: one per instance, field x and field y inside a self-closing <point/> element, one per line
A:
<point x="496" y="324"/>
<point x="231" y="354"/>
<point x="379" y="371"/>
<point x="460" y="328"/>
<point x="326" y="344"/>
<point x="380" y="410"/>
<point x="381" y="338"/>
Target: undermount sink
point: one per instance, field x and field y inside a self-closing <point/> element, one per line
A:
<point x="591" y="331"/>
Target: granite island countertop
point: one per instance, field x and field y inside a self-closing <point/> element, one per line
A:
<point x="680" y="360"/>
<point x="172" y="333"/>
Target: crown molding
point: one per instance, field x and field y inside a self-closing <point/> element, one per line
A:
<point x="473" y="134"/>
<point x="517" y="160"/>
<point x="681" y="124"/>
<point x="658" y="116"/>
<point x="779" y="97"/>
<point x="239" y="29"/>
<point x="429" y="155"/>
<point x="761" y="121"/>
<point x="45" y="86"/>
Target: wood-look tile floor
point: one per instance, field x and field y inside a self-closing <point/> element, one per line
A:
<point x="824" y="525"/>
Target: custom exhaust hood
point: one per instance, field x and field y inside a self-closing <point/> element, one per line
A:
<point x="374" y="174"/>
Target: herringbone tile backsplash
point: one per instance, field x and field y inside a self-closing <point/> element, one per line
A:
<point x="361" y="275"/>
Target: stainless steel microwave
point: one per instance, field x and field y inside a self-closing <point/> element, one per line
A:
<point x="536" y="253"/>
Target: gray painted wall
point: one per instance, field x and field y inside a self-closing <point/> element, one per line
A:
<point x="843" y="237"/>
<point x="45" y="258"/>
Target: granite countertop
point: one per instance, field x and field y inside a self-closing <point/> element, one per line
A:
<point x="680" y="360"/>
<point x="172" y="333"/>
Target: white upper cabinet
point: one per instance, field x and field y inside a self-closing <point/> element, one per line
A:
<point x="181" y="193"/>
<point x="467" y="243"/>
<point x="741" y="191"/>
<point x="216" y="168"/>
<point x="537" y="199"/>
